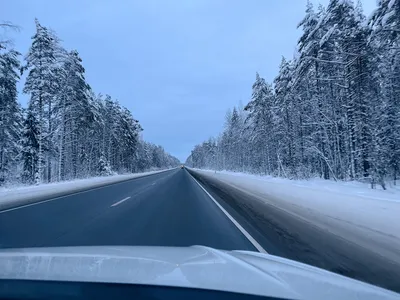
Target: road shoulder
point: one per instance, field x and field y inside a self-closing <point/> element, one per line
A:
<point x="282" y="234"/>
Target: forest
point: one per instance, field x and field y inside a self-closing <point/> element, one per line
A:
<point x="67" y="131"/>
<point x="332" y="111"/>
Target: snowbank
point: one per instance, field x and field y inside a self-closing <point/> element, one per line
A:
<point x="370" y="218"/>
<point x="11" y="197"/>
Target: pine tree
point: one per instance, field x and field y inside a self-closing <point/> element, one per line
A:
<point x="307" y="86"/>
<point x="260" y="122"/>
<point x="284" y="119"/>
<point x="385" y="40"/>
<point x="334" y="109"/>
<point x="67" y="132"/>
<point x="75" y="113"/>
<point x="104" y="168"/>
<point x="41" y="62"/>
<point x="10" y="115"/>
<point x="30" y="148"/>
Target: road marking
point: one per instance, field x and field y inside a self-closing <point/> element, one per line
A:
<point x="242" y="230"/>
<point x="106" y="185"/>
<point x="119" y="202"/>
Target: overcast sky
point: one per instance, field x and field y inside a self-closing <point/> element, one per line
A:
<point x="178" y="65"/>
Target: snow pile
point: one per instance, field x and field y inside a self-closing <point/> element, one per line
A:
<point x="11" y="197"/>
<point x="370" y="218"/>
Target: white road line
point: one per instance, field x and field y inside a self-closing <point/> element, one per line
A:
<point x="119" y="202"/>
<point x="242" y="230"/>
<point x="80" y="192"/>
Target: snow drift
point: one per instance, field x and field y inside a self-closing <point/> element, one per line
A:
<point x="369" y="218"/>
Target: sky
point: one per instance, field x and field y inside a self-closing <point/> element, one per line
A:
<point x="178" y="65"/>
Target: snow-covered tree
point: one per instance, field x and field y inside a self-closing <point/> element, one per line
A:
<point x="385" y="41"/>
<point x="260" y="126"/>
<point x="67" y="131"/>
<point x="333" y="110"/>
<point x="10" y="115"/>
<point x="41" y="61"/>
<point x="30" y="148"/>
<point x="74" y="114"/>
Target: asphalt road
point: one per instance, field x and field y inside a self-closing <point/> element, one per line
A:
<point x="171" y="209"/>
<point x="165" y="209"/>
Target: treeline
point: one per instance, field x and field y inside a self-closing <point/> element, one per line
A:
<point x="332" y="111"/>
<point x="67" y="131"/>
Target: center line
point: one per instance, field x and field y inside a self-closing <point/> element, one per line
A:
<point x="119" y="202"/>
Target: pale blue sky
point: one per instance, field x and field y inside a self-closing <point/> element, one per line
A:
<point x="177" y="65"/>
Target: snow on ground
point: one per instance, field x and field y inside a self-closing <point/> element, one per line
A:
<point x="349" y="209"/>
<point x="13" y="196"/>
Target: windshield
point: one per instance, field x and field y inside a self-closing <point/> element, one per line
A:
<point x="271" y="127"/>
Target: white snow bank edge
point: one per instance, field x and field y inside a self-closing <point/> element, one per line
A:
<point x="366" y="220"/>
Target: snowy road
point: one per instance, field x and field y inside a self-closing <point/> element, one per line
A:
<point x="171" y="209"/>
<point x="165" y="209"/>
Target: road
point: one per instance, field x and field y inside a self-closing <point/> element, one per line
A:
<point x="165" y="209"/>
<point x="171" y="209"/>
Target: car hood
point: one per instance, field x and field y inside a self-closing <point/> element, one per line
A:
<point x="192" y="267"/>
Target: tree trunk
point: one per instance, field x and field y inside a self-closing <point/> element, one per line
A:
<point x="61" y="167"/>
<point x="38" y="176"/>
<point x="49" y="145"/>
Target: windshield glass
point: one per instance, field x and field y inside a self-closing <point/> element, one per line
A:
<point x="271" y="127"/>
